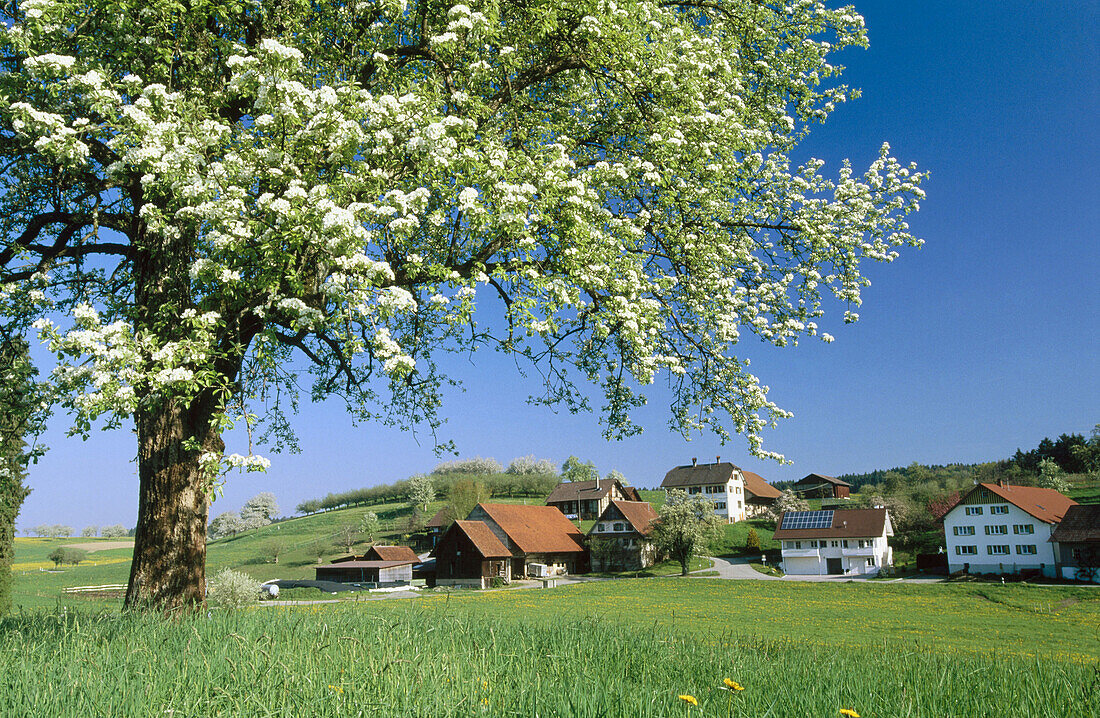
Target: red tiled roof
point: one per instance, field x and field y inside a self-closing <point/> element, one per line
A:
<point x="440" y="519"/>
<point x="847" y="523"/>
<point x="1044" y="504"/>
<point x="1081" y="524"/>
<point x="483" y="538"/>
<point x="639" y="514"/>
<point x="536" y="529"/>
<point x="391" y="553"/>
<point x="755" y="485"/>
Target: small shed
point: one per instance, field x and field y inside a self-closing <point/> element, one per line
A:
<point x="391" y="553"/>
<point x="383" y="573"/>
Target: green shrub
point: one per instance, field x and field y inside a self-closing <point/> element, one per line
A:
<point x="232" y="589"/>
<point x="752" y="541"/>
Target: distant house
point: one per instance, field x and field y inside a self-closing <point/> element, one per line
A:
<point x="820" y="486"/>
<point x="470" y="554"/>
<point x="437" y="524"/>
<point x="1077" y="543"/>
<point x="589" y="499"/>
<point x="759" y="494"/>
<point x="722" y="483"/>
<point x="1000" y="528"/>
<point x="625" y="526"/>
<point x="535" y="535"/>
<point x="841" y="542"/>
<point x="383" y="573"/>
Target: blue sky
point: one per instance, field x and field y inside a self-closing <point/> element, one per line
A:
<point x="983" y="341"/>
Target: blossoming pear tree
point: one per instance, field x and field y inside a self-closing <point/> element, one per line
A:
<point x="194" y="193"/>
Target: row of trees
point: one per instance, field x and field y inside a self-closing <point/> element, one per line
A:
<point x="62" y="531"/>
<point x="258" y="511"/>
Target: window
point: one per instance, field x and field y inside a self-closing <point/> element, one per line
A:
<point x="600" y="527"/>
<point x="966" y="550"/>
<point x="1026" y="550"/>
<point x="1023" y="529"/>
<point x="871" y="561"/>
<point x="694" y="489"/>
<point x="834" y="544"/>
<point x="997" y="550"/>
<point x="845" y="543"/>
<point x="973" y="510"/>
<point x="964" y="530"/>
<point x="996" y="530"/>
<point x="798" y="544"/>
<point x="617" y="527"/>
<point x="720" y="505"/>
<point x="862" y="544"/>
<point x="1000" y="509"/>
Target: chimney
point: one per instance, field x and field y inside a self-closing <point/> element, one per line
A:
<point x="1001" y="483"/>
<point x="694" y="460"/>
<point x="718" y="459"/>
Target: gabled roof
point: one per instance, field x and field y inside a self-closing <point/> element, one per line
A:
<point x="536" y="529"/>
<point x="581" y="490"/>
<point x="699" y="474"/>
<point x="847" y="523"/>
<point x="391" y="553"/>
<point x="441" y="519"/>
<point x="1047" y="505"/>
<point x="639" y="514"/>
<point x="1081" y="524"/>
<point x="819" y="478"/>
<point x="755" y="485"/>
<point x="483" y="539"/>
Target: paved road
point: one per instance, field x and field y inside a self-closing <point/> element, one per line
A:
<point x="736" y="568"/>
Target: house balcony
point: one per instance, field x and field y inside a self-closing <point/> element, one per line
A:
<point x="801" y="553"/>
<point x="869" y="551"/>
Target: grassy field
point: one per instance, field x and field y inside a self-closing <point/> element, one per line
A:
<point x="619" y="648"/>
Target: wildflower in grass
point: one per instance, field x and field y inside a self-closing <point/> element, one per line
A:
<point x="849" y="713"/>
<point x="338" y="689"/>
<point x="732" y="685"/>
<point x="689" y="699"/>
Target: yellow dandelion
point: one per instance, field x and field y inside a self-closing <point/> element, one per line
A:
<point x="689" y="699"/>
<point x="849" y="713"/>
<point x="733" y="685"/>
<point x="338" y="689"/>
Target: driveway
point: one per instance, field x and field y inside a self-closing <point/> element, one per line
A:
<point x="736" y="568"/>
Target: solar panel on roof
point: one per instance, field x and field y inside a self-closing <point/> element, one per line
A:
<point x="807" y="520"/>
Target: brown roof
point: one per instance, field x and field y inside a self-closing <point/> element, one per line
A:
<point x="368" y="564"/>
<point x="755" y="485"/>
<point x="578" y="490"/>
<point x="847" y="523"/>
<point x="639" y="514"/>
<point x="483" y="538"/>
<point x="1080" y="524"/>
<point x="1044" y="504"/>
<point x="391" y="553"/>
<point x="818" y="478"/>
<point x="441" y="519"/>
<point x="699" y="474"/>
<point x="536" y="529"/>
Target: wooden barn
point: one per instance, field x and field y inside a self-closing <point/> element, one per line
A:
<point x="470" y="554"/>
<point x="820" y="486"/>
<point x="589" y="499"/>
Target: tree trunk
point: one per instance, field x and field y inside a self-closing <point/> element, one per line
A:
<point x="169" y="567"/>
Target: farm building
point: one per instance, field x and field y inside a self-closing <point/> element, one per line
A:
<point x="383" y="573"/>
<point x="391" y="553"/>
<point x="535" y="535"/>
<point x="470" y="554"/>
<point x="759" y="494"/>
<point x="589" y="499"/>
<point x="1077" y="543"/>
<point x="842" y="541"/>
<point x="820" y="486"/>
<point x="438" y="524"/>
<point x="1001" y="528"/>
<point x="721" y="483"/>
<point x="624" y="530"/>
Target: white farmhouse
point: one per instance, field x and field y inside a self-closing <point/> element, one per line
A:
<point x="735" y="493"/>
<point x="1000" y="528"/>
<point x="841" y="542"/>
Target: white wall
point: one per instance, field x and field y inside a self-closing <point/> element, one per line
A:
<point x="733" y="497"/>
<point x="811" y="560"/>
<point x="985" y="562"/>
